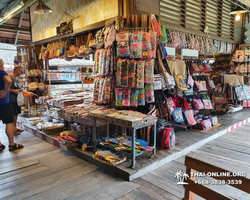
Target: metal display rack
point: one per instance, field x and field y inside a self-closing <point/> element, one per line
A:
<point x="133" y="130"/>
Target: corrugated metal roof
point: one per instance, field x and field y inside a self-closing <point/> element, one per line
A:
<point x="10" y="29"/>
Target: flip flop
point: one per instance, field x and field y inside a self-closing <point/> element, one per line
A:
<point x="2" y="147"/>
<point x="15" y="147"/>
<point x="17" y="133"/>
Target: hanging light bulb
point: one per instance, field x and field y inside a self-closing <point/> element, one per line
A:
<point x="237" y="18"/>
<point x="42" y="8"/>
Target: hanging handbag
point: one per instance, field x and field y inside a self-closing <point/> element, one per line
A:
<point x="207" y="104"/>
<point x="239" y="93"/>
<point x="189" y="115"/>
<point x="214" y="120"/>
<point x="219" y="98"/>
<point x="247" y="55"/>
<point x="206" y="124"/>
<point x="198" y="105"/>
<point x="180" y="83"/>
<point x="110" y="37"/>
<point x="194" y="68"/>
<point x="239" y="56"/>
<point x="177" y="115"/>
<point x="183" y="43"/>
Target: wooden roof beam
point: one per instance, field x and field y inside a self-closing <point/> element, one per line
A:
<point x="14" y="28"/>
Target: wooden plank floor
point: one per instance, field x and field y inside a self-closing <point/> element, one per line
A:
<point x="42" y="171"/>
<point x="230" y="151"/>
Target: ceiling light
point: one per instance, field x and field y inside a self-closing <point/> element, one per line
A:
<point x="237" y="10"/>
<point x="9" y="14"/>
<point x="42" y="8"/>
<point x="237" y="18"/>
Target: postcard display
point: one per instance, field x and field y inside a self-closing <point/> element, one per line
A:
<point x="134" y="70"/>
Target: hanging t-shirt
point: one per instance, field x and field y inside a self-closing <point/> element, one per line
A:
<point x="2" y="85"/>
<point x="14" y="86"/>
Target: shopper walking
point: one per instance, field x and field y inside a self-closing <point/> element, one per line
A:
<point x="6" y="111"/>
<point x="15" y="88"/>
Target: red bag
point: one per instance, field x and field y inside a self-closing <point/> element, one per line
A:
<point x="168" y="138"/>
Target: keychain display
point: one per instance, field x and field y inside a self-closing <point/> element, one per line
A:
<point x="122" y="73"/>
<point x="150" y="98"/>
<point x="126" y="97"/>
<point x="123" y="50"/>
<point x="141" y="97"/>
<point x="152" y="52"/>
<point x="132" y="74"/>
<point x="140" y="74"/>
<point x="136" y="45"/>
<point x="118" y="96"/>
<point x="149" y="71"/>
<point x="134" y="97"/>
<point x="146" y="45"/>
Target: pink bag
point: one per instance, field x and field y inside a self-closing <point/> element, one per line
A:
<point x="198" y="105"/>
<point x="110" y="37"/>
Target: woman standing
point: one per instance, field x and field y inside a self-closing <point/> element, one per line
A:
<point x="6" y="111"/>
<point x="14" y="90"/>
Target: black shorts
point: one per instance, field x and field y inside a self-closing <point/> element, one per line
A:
<point x="6" y="113"/>
<point x="16" y="108"/>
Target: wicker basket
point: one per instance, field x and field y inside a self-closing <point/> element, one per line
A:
<point x="53" y="131"/>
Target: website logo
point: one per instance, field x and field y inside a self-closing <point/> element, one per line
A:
<point x="181" y="176"/>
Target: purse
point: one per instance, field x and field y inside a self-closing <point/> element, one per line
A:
<point x="206" y="124"/>
<point x="180" y="83"/>
<point x="198" y="105"/>
<point x="214" y="120"/>
<point x="239" y="56"/>
<point x="177" y="115"/>
<point x="171" y="106"/>
<point x="189" y="115"/>
<point x="208" y="104"/>
<point x="219" y="98"/>
<point x="239" y="93"/>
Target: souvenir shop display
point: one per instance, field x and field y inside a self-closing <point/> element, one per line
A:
<point x="135" y="86"/>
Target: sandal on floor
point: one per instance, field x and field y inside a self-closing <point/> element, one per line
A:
<point x="15" y="147"/>
<point x="2" y="147"/>
<point x="20" y="130"/>
<point x="17" y="133"/>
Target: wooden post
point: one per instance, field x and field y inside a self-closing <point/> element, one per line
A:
<point x="188" y="194"/>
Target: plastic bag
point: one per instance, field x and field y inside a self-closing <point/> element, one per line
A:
<point x="20" y="99"/>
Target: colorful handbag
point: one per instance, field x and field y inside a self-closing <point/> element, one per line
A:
<point x="210" y="84"/>
<point x="189" y="114"/>
<point x="194" y="68"/>
<point x="239" y="93"/>
<point x="239" y="56"/>
<point x="168" y="138"/>
<point x="219" y="98"/>
<point x="170" y="105"/>
<point x="198" y="105"/>
<point x="180" y="83"/>
<point x="206" y="124"/>
<point x="177" y="115"/>
<point x="214" y="120"/>
<point x="247" y="55"/>
<point x="208" y="104"/>
<point x="246" y="93"/>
